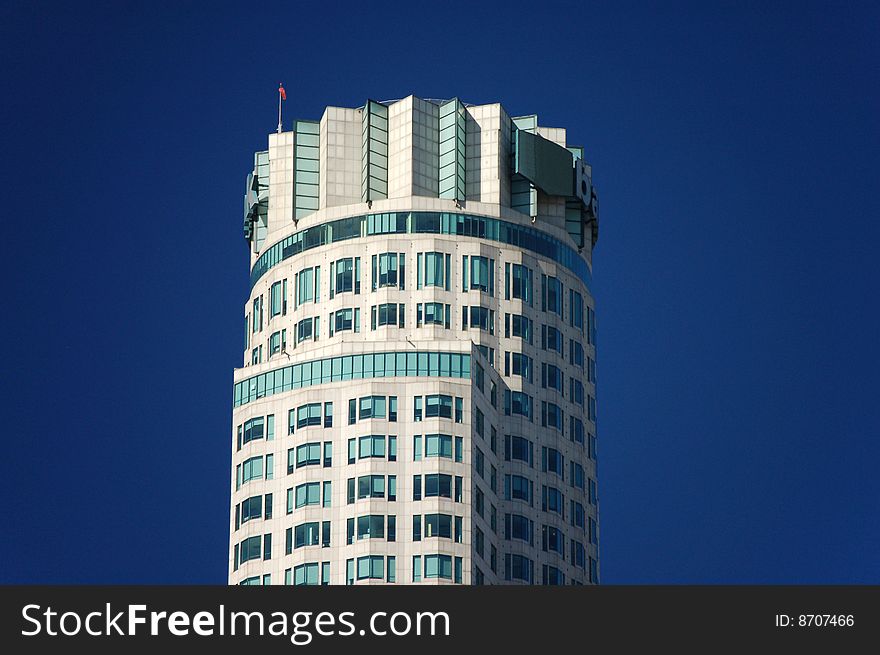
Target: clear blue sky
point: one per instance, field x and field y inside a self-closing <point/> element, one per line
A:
<point x="736" y="152"/>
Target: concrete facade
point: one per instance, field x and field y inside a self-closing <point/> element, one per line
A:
<point x="493" y="468"/>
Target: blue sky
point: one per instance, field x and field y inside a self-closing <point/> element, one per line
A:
<point x="735" y="148"/>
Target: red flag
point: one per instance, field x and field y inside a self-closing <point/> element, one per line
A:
<point x="282" y="92"/>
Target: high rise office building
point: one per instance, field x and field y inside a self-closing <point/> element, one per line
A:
<point x="417" y="402"/>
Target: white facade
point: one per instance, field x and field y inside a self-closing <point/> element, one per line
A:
<point x="391" y="254"/>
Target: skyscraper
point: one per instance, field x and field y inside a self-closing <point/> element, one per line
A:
<point x="417" y="402"/>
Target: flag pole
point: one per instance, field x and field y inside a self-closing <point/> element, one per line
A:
<point x="279" y="107"/>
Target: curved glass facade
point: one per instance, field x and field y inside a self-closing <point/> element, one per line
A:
<point x="352" y="367"/>
<point x="468" y="225"/>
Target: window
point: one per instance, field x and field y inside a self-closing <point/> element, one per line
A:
<point x="278" y="342"/>
<point x="518" y="567"/>
<point x="518" y="527"/>
<point x="479" y="377"/>
<point x="578" y="515"/>
<point x="478" y="274"/>
<point x="307" y="534"/>
<point x="552" y="500"/>
<point x="307" y="283"/>
<point x="594" y="494"/>
<point x="593" y="532"/>
<point x="307" y="415"/>
<point x="387" y="314"/>
<point x="433" y="313"/>
<point x="576" y="309"/>
<point x="275" y="304"/>
<point x="308" y="454"/>
<point x="518" y="282"/>
<point x="438" y="485"/>
<point x="551" y="338"/>
<point x="372" y="486"/>
<point x="372" y="526"/>
<point x="307" y="329"/>
<point x="552" y="377"/>
<point x="519" y="326"/>
<point x="577" y="477"/>
<point x="433" y="270"/>
<point x="253" y="469"/>
<point x="371" y="567"/>
<point x="552" y="461"/>
<point x="518" y="364"/>
<point x="578" y="554"/>
<point x="516" y="487"/>
<point x="551" y="294"/>
<point x="550" y="575"/>
<point x="371" y="446"/>
<point x="252" y="508"/>
<point x="438" y="525"/>
<point x="307" y="494"/>
<point x="408" y="362"/>
<point x="478" y="317"/>
<point x="257" y="315"/>
<point x="389" y="270"/>
<point x="371" y="407"/>
<point x="343" y="320"/>
<point x="438" y="445"/>
<point x="576" y="430"/>
<point x="345" y="276"/>
<point x="438" y="406"/>
<point x="328" y="415"/>
<point x="518" y="403"/>
<point x="552" y="416"/>
<point x="576" y="391"/>
<point x="251" y="430"/>
<point x="438" y="566"/>
<point x="518" y="449"/>
<point x="576" y="353"/>
<point x="307" y="574"/>
<point x="252" y="548"/>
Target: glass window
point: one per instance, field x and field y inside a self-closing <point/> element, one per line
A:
<point x="307" y="415"/>
<point x="345" y="276"/>
<point x="371" y="407"/>
<point x="438" y="405"/>
<point x="308" y="494"/>
<point x="307" y="283"/>
<point x="517" y="487"/>
<point x="438" y="525"/>
<point x="576" y="309"/>
<point x="482" y="318"/>
<point x="552" y="416"/>
<point x="518" y="283"/>
<point x="482" y="274"/>
<point x="551" y="296"/>
<point x="438" y="445"/>
<point x="438" y="485"/>
<point x="308" y="454"/>
<point x="518" y="527"/>
<point x="371" y="446"/>
<point x="435" y="270"/>
<point x="389" y="270"/>
<point x="275" y="299"/>
<point x="517" y="449"/>
<point x="371" y="526"/>
<point x="518" y="403"/>
<point x="438" y="566"/>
